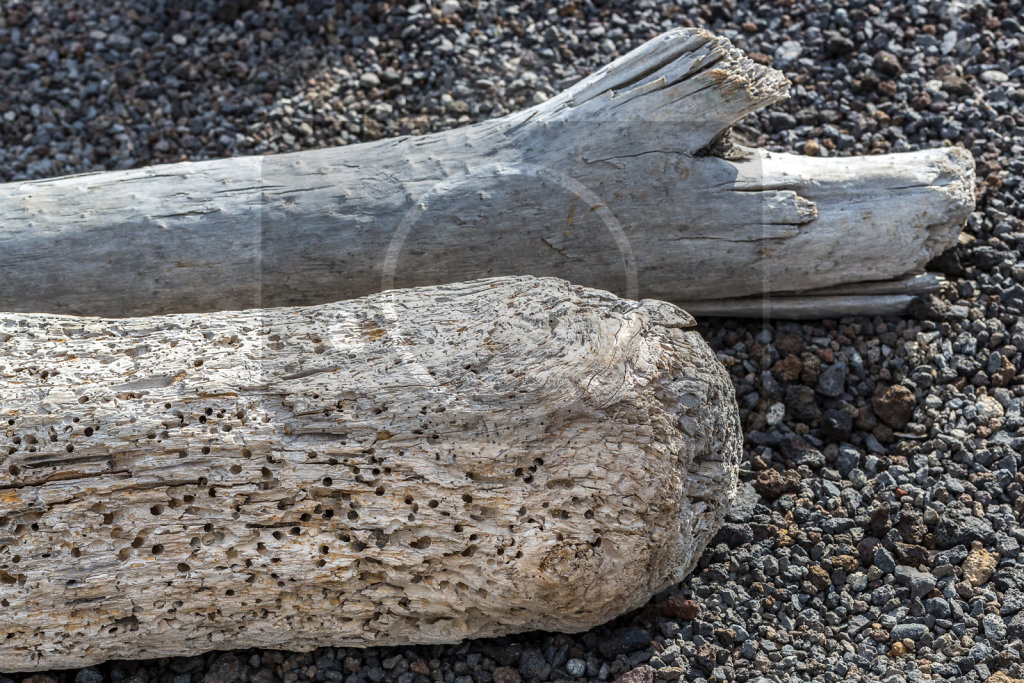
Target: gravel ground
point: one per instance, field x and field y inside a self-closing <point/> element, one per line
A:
<point x="877" y="534"/>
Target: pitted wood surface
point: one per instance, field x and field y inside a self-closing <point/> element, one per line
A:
<point x="420" y="466"/>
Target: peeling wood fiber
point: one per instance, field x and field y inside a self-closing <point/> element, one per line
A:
<point x="419" y="466"/>
<point x="613" y="183"/>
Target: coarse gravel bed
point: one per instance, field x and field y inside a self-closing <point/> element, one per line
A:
<point x="877" y="531"/>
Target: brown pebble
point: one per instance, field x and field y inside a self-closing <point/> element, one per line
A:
<point x="641" y="674"/>
<point x="894" y="405"/>
<point x="812" y="148"/>
<point x="678" y="608"/>
<point x="819" y="578"/>
<point x="897" y="650"/>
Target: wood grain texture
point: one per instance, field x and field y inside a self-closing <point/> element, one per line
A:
<point x="615" y="183"/>
<point x="886" y="297"/>
<point x="420" y="466"/>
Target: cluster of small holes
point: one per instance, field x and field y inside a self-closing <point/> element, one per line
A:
<point x="375" y="468"/>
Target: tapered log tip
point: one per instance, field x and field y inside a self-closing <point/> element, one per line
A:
<point x="685" y="76"/>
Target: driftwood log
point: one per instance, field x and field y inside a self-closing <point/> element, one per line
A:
<point x="623" y="182"/>
<point x="419" y="466"/>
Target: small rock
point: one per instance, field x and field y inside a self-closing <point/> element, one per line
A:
<point x="994" y="76"/>
<point x="994" y="627"/>
<point x="832" y="380"/>
<point x="623" y="641"/>
<point x="226" y="669"/>
<point x="912" y="631"/>
<point x="678" y="608"/>
<point x="1005" y="374"/>
<point x="838" y="44"/>
<point x="962" y="528"/>
<point x="812" y="148"/>
<point x="532" y="664"/>
<point x="449" y="7"/>
<point x="955" y="84"/>
<point x="801" y="404"/>
<point x="886" y="63"/>
<point x="988" y="408"/>
<point x="780" y="120"/>
<point x="88" y="675"/>
<point x="848" y="563"/>
<point x="884" y="560"/>
<point x="894" y="405"/>
<point x="506" y="674"/>
<point x="848" y="459"/>
<point x="788" y="369"/>
<point x="576" y="668"/>
<point x="119" y="41"/>
<point x="742" y="508"/>
<point x="819" y="578"/>
<point x="938" y="608"/>
<point x="920" y="583"/>
<point x="771" y="483"/>
<point x="787" y="53"/>
<point x="897" y="650"/>
<point x="641" y="674"/>
<point x="837" y="424"/>
<point x="979" y="565"/>
<point x="948" y="42"/>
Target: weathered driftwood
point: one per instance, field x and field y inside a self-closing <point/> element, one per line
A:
<point x="887" y="297"/>
<point x="614" y="183"/>
<point x="421" y="466"/>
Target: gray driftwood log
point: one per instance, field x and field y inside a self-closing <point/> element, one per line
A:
<point x="622" y="182"/>
<point x="419" y="466"/>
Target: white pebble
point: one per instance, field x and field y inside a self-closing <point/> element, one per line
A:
<point x="994" y="76"/>
<point x="787" y="53"/>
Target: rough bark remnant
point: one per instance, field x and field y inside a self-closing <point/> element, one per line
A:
<point x="419" y="466"/>
<point x="620" y="182"/>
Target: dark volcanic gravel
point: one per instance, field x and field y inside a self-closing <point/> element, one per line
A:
<point x="877" y="531"/>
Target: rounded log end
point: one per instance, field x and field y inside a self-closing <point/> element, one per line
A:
<point x="953" y="179"/>
<point x="671" y="488"/>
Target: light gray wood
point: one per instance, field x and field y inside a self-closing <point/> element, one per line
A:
<point x="889" y="297"/>
<point x="913" y="285"/>
<point x="798" y="307"/>
<point x="615" y="183"/>
<point x="421" y="466"/>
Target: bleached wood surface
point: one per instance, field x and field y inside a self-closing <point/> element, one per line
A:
<point x="887" y="297"/>
<point x="420" y="466"/>
<point x="614" y="183"/>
